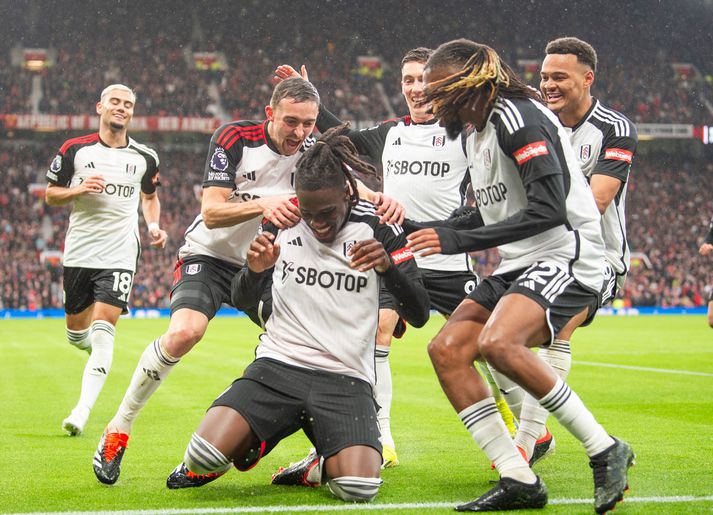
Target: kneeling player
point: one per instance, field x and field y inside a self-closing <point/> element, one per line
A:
<point x="308" y="374"/>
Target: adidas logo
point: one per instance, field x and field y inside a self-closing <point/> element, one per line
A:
<point x="101" y="370"/>
<point x="397" y="141"/>
<point x="249" y="176"/>
<point x="153" y="374"/>
<point x="297" y="241"/>
<point x="90" y="165"/>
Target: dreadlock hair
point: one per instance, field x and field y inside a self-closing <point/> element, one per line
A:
<point x="329" y="163"/>
<point x="481" y="72"/>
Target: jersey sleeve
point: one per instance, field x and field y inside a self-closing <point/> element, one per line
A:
<point x="403" y="279"/>
<point x="61" y="168"/>
<point x="150" y="180"/>
<point x="709" y="235"/>
<point x="224" y="154"/>
<point x="617" y="154"/>
<point x="368" y="142"/>
<point x="533" y="149"/>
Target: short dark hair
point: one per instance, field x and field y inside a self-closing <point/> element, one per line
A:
<point x="329" y="163"/>
<point x="584" y="51"/>
<point x="417" y="55"/>
<point x="295" y="88"/>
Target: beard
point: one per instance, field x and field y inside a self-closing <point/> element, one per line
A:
<point x="116" y="126"/>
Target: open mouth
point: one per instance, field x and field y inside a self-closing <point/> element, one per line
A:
<point x="292" y="145"/>
<point x="553" y="97"/>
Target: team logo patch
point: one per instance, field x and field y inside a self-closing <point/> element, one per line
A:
<point x="56" y="165"/>
<point x="347" y="247"/>
<point x="524" y="154"/>
<point x="439" y="141"/>
<point x="487" y="160"/>
<point x="618" y="154"/>
<point x="219" y="161"/>
<point x="193" y="269"/>
<point x="131" y="169"/>
<point x="401" y="255"/>
<point x="584" y="152"/>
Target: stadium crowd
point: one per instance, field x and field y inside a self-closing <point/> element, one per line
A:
<point x="667" y="219"/>
<point x="627" y="71"/>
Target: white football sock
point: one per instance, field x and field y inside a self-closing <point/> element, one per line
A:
<point x="487" y="428"/>
<point x="570" y="411"/>
<point x="154" y="366"/>
<point x="534" y="416"/>
<point x="510" y="391"/>
<point x="79" y="339"/>
<point x="383" y="393"/>
<point x="101" y="339"/>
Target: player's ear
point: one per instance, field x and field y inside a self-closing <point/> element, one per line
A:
<point x="99" y="108"/>
<point x="588" y="78"/>
<point x="269" y="113"/>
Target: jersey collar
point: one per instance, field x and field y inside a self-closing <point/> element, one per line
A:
<point x="587" y="115"/>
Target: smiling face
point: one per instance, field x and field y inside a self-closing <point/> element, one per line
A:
<point x="324" y="211"/>
<point x="290" y="124"/>
<point x="565" y="84"/>
<point x="412" y="90"/>
<point x="115" y="109"/>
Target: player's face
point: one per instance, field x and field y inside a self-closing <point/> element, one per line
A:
<point x="324" y="211"/>
<point x="290" y="124"/>
<point x="565" y="82"/>
<point x="412" y="90"/>
<point x="116" y="109"/>
<point x="453" y="123"/>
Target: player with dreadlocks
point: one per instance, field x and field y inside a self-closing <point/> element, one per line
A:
<point x="534" y="205"/>
<point x="314" y="366"/>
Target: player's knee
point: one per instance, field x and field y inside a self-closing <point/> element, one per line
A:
<point x="180" y="339"/>
<point x="492" y="347"/>
<point x="444" y="351"/>
<point x="202" y="457"/>
<point x="354" y="488"/>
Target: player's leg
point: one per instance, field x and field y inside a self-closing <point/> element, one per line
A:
<point x="527" y="317"/>
<point x="354" y="473"/>
<point x="710" y="311"/>
<point x="383" y="389"/>
<point x="199" y="289"/>
<point x="79" y="306"/>
<point x="453" y="352"/>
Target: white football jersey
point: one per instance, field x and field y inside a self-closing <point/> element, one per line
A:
<point x="324" y="313"/>
<point x="103" y="227"/>
<point x="240" y="157"/>
<point x="604" y="142"/>
<point x="523" y="141"/>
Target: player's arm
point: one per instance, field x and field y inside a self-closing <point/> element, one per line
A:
<point x="150" y="204"/>
<point x="707" y="246"/>
<point x="246" y="288"/>
<point x="611" y="171"/>
<point x="59" y="175"/>
<point x="532" y="149"/>
<point x="217" y="211"/>
<point x="388" y="255"/>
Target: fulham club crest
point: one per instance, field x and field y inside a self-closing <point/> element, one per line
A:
<point x="487" y="160"/>
<point x="439" y="142"/>
<point x="193" y="269"/>
<point x="584" y="152"/>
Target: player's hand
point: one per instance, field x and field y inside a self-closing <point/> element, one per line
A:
<point x="388" y="209"/>
<point x="285" y="71"/>
<point x="280" y="210"/>
<point x="92" y="184"/>
<point x="158" y="237"/>
<point x="368" y="254"/>
<point x="425" y="242"/>
<point x="262" y="253"/>
<point x="705" y="249"/>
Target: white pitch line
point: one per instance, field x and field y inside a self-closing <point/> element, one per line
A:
<point x="643" y="369"/>
<point x="351" y="507"/>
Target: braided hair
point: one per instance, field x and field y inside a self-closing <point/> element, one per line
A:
<point x="329" y="163"/>
<point x="482" y="75"/>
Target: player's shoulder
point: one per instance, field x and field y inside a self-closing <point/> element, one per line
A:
<point x="79" y="142"/>
<point x="365" y="212"/>
<point x="514" y="114"/>
<point x="247" y="132"/>
<point x="142" y="149"/>
<point x="610" y="120"/>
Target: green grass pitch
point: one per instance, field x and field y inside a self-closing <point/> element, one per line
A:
<point x="667" y="416"/>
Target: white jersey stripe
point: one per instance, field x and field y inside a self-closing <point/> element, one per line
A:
<point x="516" y="112"/>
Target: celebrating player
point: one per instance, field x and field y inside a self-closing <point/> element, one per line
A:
<point x="314" y="367"/>
<point x="535" y="206"/>
<point x="705" y="249"/>
<point x="105" y="176"/>
<point x="428" y="174"/>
